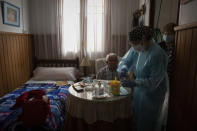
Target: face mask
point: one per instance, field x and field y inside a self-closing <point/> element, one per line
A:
<point x="168" y="38"/>
<point x="139" y="48"/>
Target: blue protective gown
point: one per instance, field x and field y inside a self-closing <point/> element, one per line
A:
<point x="150" y="69"/>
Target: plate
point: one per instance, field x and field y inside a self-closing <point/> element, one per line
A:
<point x="100" y="96"/>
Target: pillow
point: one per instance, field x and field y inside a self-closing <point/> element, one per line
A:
<point x="54" y="73"/>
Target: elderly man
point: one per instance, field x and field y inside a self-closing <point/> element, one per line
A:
<point x="109" y="71"/>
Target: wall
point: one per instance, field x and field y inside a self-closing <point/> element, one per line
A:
<point x="24" y="20"/>
<point x="145" y="18"/>
<point x="122" y="9"/>
<point x="188" y="13"/>
<point x="44" y="16"/>
<point x="168" y="12"/>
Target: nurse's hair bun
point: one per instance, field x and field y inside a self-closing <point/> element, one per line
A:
<point x="140" y="32"/>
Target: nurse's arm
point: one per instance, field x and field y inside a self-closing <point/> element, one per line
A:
<point x="126" y="60"/>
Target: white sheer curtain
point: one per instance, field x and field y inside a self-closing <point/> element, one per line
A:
<point x="94" y="28"/>
<point x="78" y="28"/>
<point x="71" y="28"/>
<point x="117" y="24"/>
<point x="46" y="28"/>
<point x="83" y="28"/>
<point x="95" y="24"/>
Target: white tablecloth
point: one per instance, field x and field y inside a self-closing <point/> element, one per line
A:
<point x="82" y="105"/>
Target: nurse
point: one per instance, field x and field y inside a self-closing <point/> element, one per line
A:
<point x="149" y="64"/>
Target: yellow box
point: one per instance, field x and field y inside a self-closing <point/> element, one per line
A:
<point x="114" y="87"/>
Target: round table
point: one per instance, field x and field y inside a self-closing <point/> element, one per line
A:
<point x="111" y="109"/>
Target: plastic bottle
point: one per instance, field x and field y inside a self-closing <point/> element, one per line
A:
<point x="115" y="86"/>
<point x="101" y="88"/>
<point x="96" y="92"/>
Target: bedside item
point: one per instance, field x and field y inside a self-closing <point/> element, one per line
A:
<point x="85" y="63"/>
<point x="77" y="88"/>
<point x="105" y="95"/>
<point x="123" y="91"/>
<point x="99" y="89"/>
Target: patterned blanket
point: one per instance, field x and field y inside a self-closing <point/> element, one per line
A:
<point x="57" y="95"/>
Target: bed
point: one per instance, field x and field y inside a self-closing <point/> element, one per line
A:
<point x="56" y="90"/>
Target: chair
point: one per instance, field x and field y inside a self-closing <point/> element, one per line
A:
<point x="99" y="63"/>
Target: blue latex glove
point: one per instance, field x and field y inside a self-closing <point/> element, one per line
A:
<point x="123" y="72"/>
<point x="128" y="83"/>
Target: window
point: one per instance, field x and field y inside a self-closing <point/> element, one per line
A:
<point x="95" y="11"/>
<point x="71" y="26"/>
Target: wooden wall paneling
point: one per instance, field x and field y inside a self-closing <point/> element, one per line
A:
<point x="26" y="62"/>
<point x="26" y="59"/>
<point x="11" y="62"/>
<point x="174" y="113"/>
<point x="179" y="88"/>
<point x="30" y="57"/>
<point x="183" y="92"/>
<point x="3" y="67"/>
<point x="17" y="46"/>
<point x="1" y="81"/>
<point x="188" y="74"/>
<point x="15" y="66"/>
<point x="174" y="105"/>
<point x="15" y="60"/>
<point x="1" y="73"/>
<point x="20" y="60"/>
<point x="31" y="53"/>
<point x="7" y="67"/>
<point x="173" y="88"/>
<point x="193" y="117"/>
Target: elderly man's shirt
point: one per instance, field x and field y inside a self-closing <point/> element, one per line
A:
<point x="106" y="74"/>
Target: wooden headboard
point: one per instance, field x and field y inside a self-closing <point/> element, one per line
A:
<point x="57" y="63"/>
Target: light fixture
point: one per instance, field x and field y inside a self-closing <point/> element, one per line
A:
<point x="85" y="63"/>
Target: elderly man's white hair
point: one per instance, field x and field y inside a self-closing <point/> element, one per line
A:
<point x="109" y="55"/>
